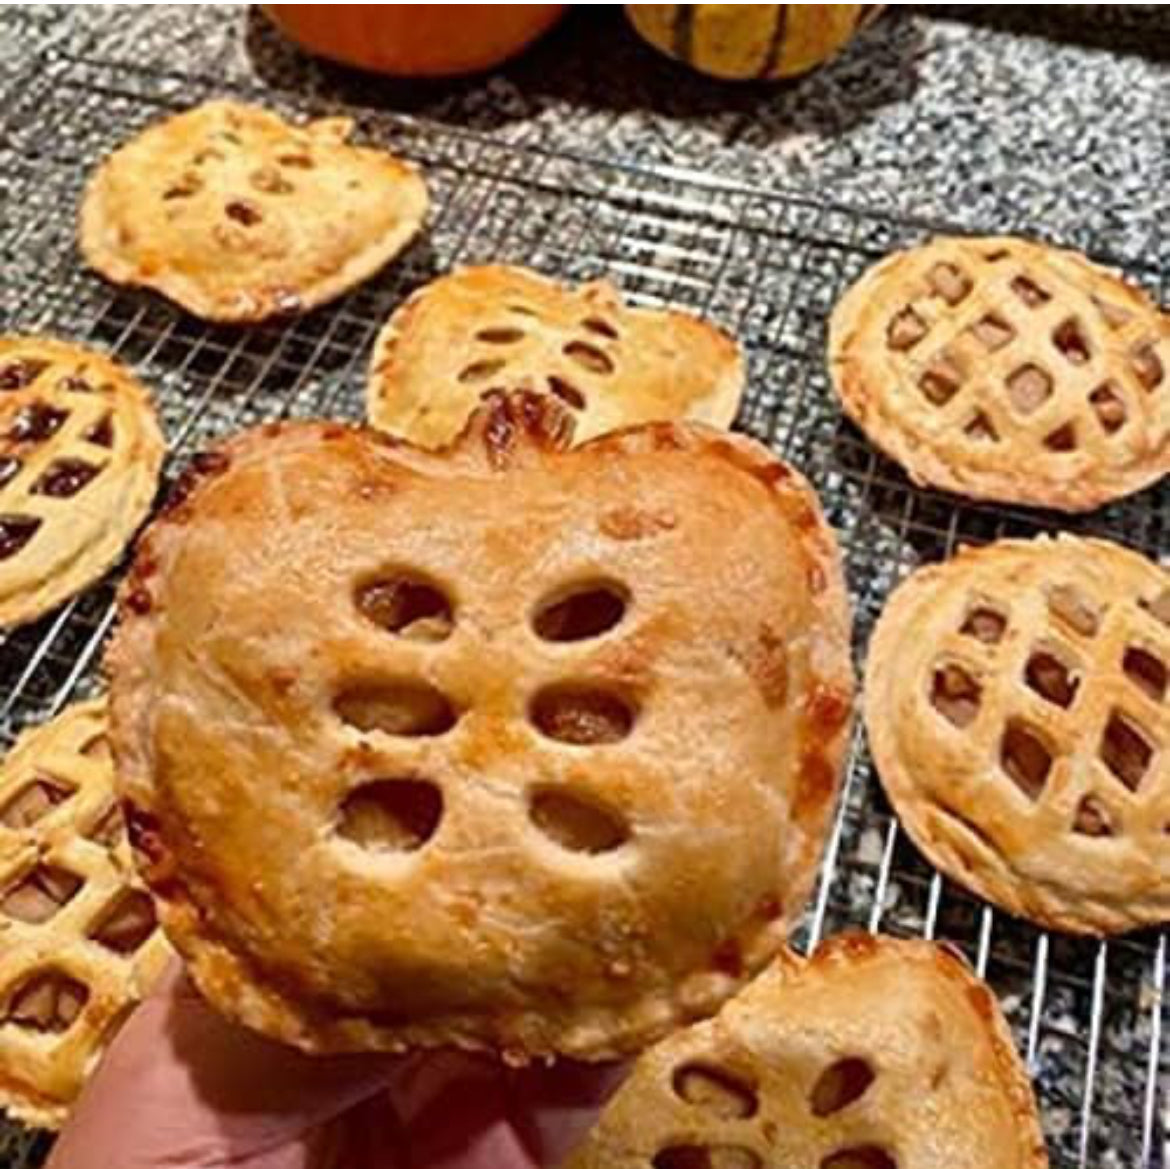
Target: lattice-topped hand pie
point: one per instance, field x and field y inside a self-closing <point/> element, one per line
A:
<point x="499" y="327"/>
<point x="1005" y="370"/>
<point x="507" y="746"/>
<point x="80" y="453"/>
<point x="873" y="1054"/>
<point x="237" y="214"/>
<point x="78" y="941"/>
<point x="1018" y="713"/>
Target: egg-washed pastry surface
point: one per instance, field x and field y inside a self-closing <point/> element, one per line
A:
<point x="510" y="747"/>
<point x="79" y="944"/>
<point x="237" y="214"/>
<point x="80" y="453"/>
<point x="501" y="327"/>
<point x="872" y="1054"/>
<point x="1018" y="715"/>
<point x="1007" y="370"/>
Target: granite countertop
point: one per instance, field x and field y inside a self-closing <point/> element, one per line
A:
<point x="1008" y="118"/>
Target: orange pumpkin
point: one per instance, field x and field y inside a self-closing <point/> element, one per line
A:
<point x="415" y="40"/>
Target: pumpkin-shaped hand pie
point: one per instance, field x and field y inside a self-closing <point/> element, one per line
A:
<point x="507" y="746"/>
<point x="498" y="326"/>
<point x="238" y="215"/>
<point x="873" y="1054"/>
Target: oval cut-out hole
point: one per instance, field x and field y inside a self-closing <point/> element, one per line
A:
<point x="1146" y="672"/>
<point x="589" y="357"/>
<point x="408" y="606"/>
<point x="1029" y="387"/>
<point x="992" y="332"/>
<point x="296" y="161"/>
<point x="939" y="384"/>
<point x="951" y="283"/>
<point x="1030" y="292"/>
<point x="715" y="1091"/>
<point x="15" y="533"/>
<point x="1109" y="407"/>
<point x="1051" y="678"/>
<point x="981" y="429"/>
<point x="1069" y="338"/>
<point x="410" y="708"/>
<point x="33" y="802"/>
<point x="567" y="392"/>
<point x="523" y="310"/>
<point x="49" y="1000"/>
<point x="40" y="894"/>
<point x="64" y="478"/>
<point x="601" y="327"/>
<point x="15" y="375"/>
<point x="707" y="1157"/>
<point x="125" y="926"/>
<point x="242" y="213"/>
<point x="575" y="823"/>
<point x="480" y="371"/>
<point x="860" y="1157"/>
<point x="1092" y="818"/>
<point x="503" y="335"/>
<point x="840" y="1085"/>
<point x="1147" y="366"/>
<point x="955" y="695"/>
<point x="905" y="330"/>
<point x="585" y="611"/>
<point x="985" y="625"/>
<point x="398" y="815"/>
<point x="1074" y="609"/>
<point x="1125" y="751"/>
<point x="1025" y="759"/>
<point x="582" y="715"/>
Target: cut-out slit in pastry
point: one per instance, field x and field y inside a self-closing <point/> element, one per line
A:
<point x="984" y="624"/>
<point x="15" y="532"/>
<point x="33" y="802"/>
<point x="716" y="1091"/>
<point x="1147" y="366"/>
<point x="396" y="707"/>
<point x="102" y="432"/>
<point x="589" y="357"/>
<point x="568" y="393"/>
<point x="48" y="1001"/>
<point x="579" y="613"/>
<point x="40" y="894"/>
<point x="707" y="1157"/>
<point x="1074" y="609"/>
<point x="1025" y="759"/>
<point x="500" y="335"/>
<point x="9" y="469"/>
<point x="37" y="422"/>
<point x="860" y="1157"/>
<point x="408" y="606"/>
<point x="1063" y="440"/>
<point x="981" y="429"/>
<point x="21" y="372"/>
<point x="940" y="383"/>
<point x="481" y="371"/>
<point x="601" y="327"/>
<point x="1070" y="340"/>
<point x="992" y="332"/>
<point x="1029" y="292"/>
<point x="949" y="282"/>
<point x="1112" y="314"/>
<point x="955" y="695"/>
<point x="1029" y="387"/>
<point x="1158" y="607"/>
<point x="1049" y="677"/>
<point x="577" y="823"/>
<point x="1109" y="407"/>
<point x="64" y="478"/>
<point x="127" y="924"/>
<point x="394" y="815"/>
<point x="1145" y="671"/>
<point x="582" y="715"/>
<point x="1125" y="751"/>
<point x="1092" y="818"/>
<point x="905" y="330"/>
<point x="841" y="1084"/>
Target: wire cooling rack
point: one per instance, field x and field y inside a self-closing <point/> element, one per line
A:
<point x="1088" y="1016"/>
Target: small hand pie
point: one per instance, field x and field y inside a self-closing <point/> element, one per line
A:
<point x="507" y="747"/>
<point x="873" y="1054"/>
<point x="80" y="453"/>
<point x="499" y="327"/>
<point x="1018" y="714"/>
<point x="237" y="215"/>
<point x="79" y="944"/>
<point x="1006" y="370"/>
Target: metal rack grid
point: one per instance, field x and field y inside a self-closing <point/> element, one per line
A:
<point x="1089" y="1016"/>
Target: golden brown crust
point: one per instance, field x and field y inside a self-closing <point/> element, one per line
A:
<point x="237" y="215"/>
<point x="1006" y="370"/>
<point x="73" y="830"/>
<point x="242" y="663"/>
<point x="501" y="327"/>
<point x="1063" y="819"/>
<point x="80" y="453"/>
<point x="875" y="1044"/>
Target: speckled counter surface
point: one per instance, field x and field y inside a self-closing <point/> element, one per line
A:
<point x="955" y="115"/>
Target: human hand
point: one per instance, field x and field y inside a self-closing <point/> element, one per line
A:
<point x="182" y="1088"/>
